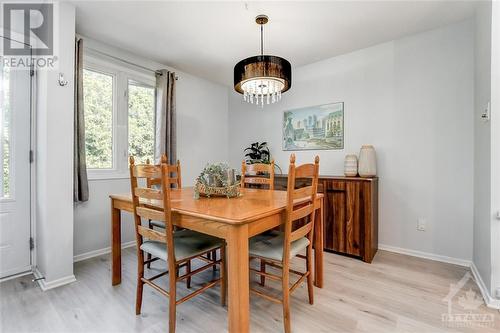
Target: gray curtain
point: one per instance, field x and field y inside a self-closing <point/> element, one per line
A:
<point x="165" y="135"/>
<point x="80" y="182"/>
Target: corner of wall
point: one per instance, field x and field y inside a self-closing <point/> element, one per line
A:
<point x="54" y="159"/>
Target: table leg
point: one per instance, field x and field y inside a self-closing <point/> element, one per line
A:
<point x="318" y="247"/>
<point x="238" y="279"/>
<point x="116" y="249"/>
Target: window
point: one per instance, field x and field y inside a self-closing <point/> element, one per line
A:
<point x="141" y="128"/>
<point x="119" y="104"/>
<point x="98" y="109"/>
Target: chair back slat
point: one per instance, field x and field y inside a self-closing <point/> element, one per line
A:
<point x="173" y="181"/>
<point x="258" y="167"/>
<point x="152" y="234"/>
<point x="300" y="204"/>
<point x="257" y="180"/>
<point x="254" y="170"/>
<point x="146" y="171"/>
<point x="303" y="192"/>
<point x="148" y="193"/>
<point x="301" y="232"/>
<point x="150" y="214"/>
<point x="175" y="174"/>
<point x="301" y="212"/>
<point x="305" y="171"/>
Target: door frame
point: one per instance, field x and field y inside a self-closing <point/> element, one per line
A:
<point x="33" y="164"/>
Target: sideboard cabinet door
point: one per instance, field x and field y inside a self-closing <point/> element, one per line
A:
<point x="354" y="218"/>
<point x="334" y="215"/>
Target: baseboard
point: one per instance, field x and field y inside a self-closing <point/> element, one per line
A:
<point x="488" y="299"/>
<point x="15" y="276"/>
<point x="84" y="256"/>
<point x="44" y="285"/>
<point x="100" y="252"/>
<point x="425" y="255"/>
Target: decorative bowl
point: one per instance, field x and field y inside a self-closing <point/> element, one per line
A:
<point x="230" y="191"/>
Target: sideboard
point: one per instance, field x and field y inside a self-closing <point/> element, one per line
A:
<point x="350" y="213"/>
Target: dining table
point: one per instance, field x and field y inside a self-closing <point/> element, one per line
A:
<point x="235" y="220"/>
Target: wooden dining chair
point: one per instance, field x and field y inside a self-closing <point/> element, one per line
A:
<point x="276" y="250"/>
<point x="255" y="171"/>
<point x="176" y="249"/>
<point x="176" y="182"/>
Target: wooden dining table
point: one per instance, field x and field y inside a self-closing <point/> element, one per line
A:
<point x="232" y="219"/>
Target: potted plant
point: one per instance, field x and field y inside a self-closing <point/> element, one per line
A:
<point x="258" y="152"/>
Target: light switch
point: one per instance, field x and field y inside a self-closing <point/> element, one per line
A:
<point x="485" y="115"/>
<point x="421" y="224"/>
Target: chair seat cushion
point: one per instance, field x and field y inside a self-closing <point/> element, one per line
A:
<point x="158" y="224"/>
<point x="270" y="245"/>
<point x="187" y="244"/>
<point x="266" y="235"/>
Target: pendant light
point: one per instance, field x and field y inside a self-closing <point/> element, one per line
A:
<point x="263" y="78"/>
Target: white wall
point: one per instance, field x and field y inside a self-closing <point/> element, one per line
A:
<point x="482" y="144"/>
<point x="202" y="135"/>
<point x="54" y="159"/>
<point x="412" y="99"/>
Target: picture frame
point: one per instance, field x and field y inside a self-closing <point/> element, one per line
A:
<point x="318" y="127"/>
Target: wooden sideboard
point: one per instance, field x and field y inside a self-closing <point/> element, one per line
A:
<point x="350" y="213"/>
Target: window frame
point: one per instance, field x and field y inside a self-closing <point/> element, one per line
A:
<point x="121" y="75"/>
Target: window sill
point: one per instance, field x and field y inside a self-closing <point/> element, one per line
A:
<point x="106" y="176"/>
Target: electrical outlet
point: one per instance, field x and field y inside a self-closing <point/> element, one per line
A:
<point x="421" y="224"/>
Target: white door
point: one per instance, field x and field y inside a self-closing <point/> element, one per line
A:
<point x="15" y="134"/>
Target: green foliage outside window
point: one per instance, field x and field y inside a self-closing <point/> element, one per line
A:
<point x="141" y="129"/>
<point x="98" y="108"/>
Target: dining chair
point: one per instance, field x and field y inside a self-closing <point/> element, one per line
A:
<point x="177" y="249"/>
<point x="256" y="170"/>
<point x="278" y="248"/>
<point x="175" y="181"/>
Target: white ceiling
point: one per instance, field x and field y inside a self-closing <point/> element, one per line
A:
<point x="208" y="38"/>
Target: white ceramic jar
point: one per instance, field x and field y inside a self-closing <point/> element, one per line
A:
<point x="367" y="166"/>
<point x="351" y="165"/>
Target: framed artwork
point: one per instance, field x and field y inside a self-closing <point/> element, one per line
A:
<point x="319" y="127"/>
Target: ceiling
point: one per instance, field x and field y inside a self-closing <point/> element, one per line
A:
<point x="208" y="38"/>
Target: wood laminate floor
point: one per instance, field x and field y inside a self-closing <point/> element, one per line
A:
<point x="396" y="293"/>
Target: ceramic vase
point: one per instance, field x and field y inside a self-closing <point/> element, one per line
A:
<point x="367" y="166"/>
<point x="351" y="165"/>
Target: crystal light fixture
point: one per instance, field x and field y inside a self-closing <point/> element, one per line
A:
<point x="263" y="78"/>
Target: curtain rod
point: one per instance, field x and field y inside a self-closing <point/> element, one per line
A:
<point x="127" y="62"/>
